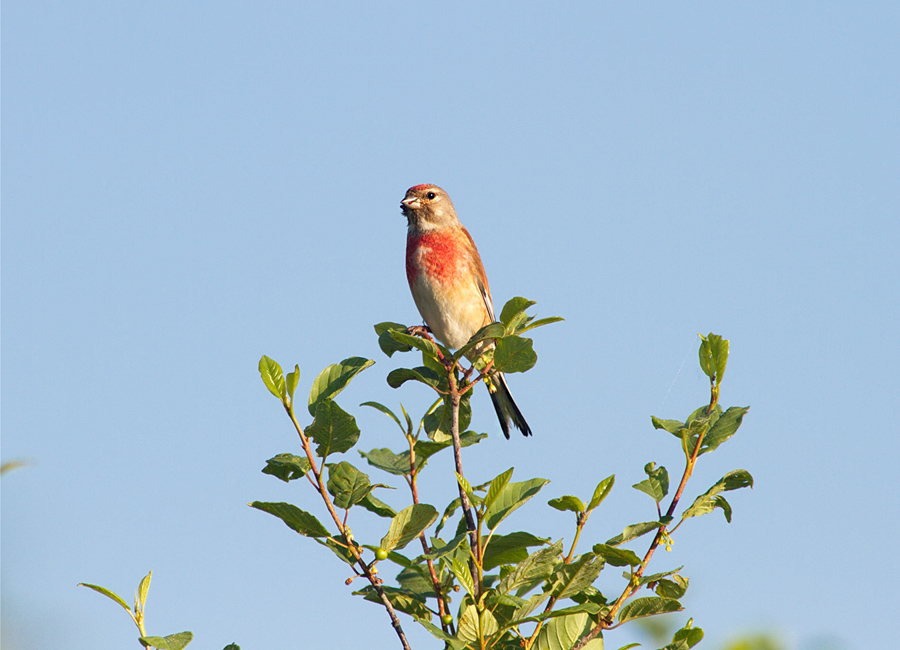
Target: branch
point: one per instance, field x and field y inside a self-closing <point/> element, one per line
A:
<point x="606" y="623"/>
<point x="345" y="531"/>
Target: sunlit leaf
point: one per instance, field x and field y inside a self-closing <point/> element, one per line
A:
<point x="272" y="376"/>
<point x="648" y="606"/>
<point x="106" y="592"/>
<point x="601" y="491"/>
<point x="287" y="467"/>
<point x="171" y="642"/>
<point x="333" y="379"/>
<point x="347" y="484"/>
<point x="509" y="549"/>
<point x="514" y="354"/>
<point x="400" y="376"/>
<point x="725" y="426"/>
<point x="386" y="342"/>
<point x="634" y="531"/>
<point x="333" y="429"/>
<point x="569" y="579"/>
<point x="567" y="502"/>
<point x="295" y="518"/>
<point x="407" y="525"/>
<point x="562" y="633"/>
<point x="656" y="484"/>
<point x="616" y="556"/>
<point x="515" y="495"/>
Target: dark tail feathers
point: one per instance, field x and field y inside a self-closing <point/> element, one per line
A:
<point x="505" y="406"/>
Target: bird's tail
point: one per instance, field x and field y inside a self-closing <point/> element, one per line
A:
<point x="505" y="405"/>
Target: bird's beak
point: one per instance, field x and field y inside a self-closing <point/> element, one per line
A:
<point x="409" y="203"/>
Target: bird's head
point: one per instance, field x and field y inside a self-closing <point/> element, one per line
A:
<point x="428" y="207"/>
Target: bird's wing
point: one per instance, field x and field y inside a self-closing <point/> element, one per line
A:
<point x="486" y="296"/>
<point x="481" y="280"/>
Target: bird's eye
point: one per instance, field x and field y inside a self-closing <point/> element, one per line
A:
<point x="431" y="195"/>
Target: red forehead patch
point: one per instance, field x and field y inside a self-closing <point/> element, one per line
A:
<point x="422" y="186"/>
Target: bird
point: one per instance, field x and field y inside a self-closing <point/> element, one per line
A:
<point x="449" y="285"/>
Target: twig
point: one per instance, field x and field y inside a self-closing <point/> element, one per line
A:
<point x="345" y="531"/>
<point x="435" y="581"/>
<point x="463" y="497"/>
<point x="606" y="622"/>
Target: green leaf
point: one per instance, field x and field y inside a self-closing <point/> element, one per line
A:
<point x="451" y="642"/>
<point x="347" y="485"/>
<point x="538" y="323"/>
<point x="407" y="525"/>
<point x="388" y="412"/>
<point x="509" y="549"/>
<point x="656" y="577"/>
<point x="426" y="346"/>
<point x="293" y="378"/>
<point x="633" y="532"/>
<point x="439" y="549"/>
<point x="427" y="448"/>
<point x="143" y="589"/>
<point x="515" y="495"/>
<point x="463" y="576"/>
<point x="334" y="379"/>
<point x="489" y="331"/>
<point x="648" y="606"/>
<point x="522" y="613"/>
<point x="340" y="547"/>
<point x="295" y="518"/>
<point x="386" y="342"/>
<point x="672" y="426"/>
<point x="400" y="376"/>
<point x="387" y="461"/>
<point x="685" y="638"/>
<point x="616" y="556"/>
<point x="514" y="354"/>
<point x="106" y="592"/>
<point x="723" y="428"/>
<point x="713" y="356"/>
<point x="532" y="571"/>
<point x="513" y="307"/>
<point x="574" y="577"/>
<point x="287" y="467"/>
<point x="603" y="488"/>
<point x="567" y="502"/>
<point x="709" y="500"/>
<point x="467" y="488"/>
<point x="673" y="588"/>
<point x="272" y="376"/>
<point x="473" y="626"/>
<point x="171" y="642"/>
<point x="587" y="607"/>
<point x="497" y="486"/>
<point x="657" y="483"/>
<point x="562" y="633"/>
<point x="414" y="579"/>
<point x="333" y="429"/>
<point x="380" y="508"/>
<point x="439" y="419"/>
<point x="402" y="599"/>
<point x="452" y="507"/>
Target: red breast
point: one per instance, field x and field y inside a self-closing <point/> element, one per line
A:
<point x="436" y="254"/>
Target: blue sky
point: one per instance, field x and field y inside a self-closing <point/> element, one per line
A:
<point x="188" y="186"/>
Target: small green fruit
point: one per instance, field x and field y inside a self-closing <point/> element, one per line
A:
<point x="446" y="619"/>
<point x="381" y="554"/>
